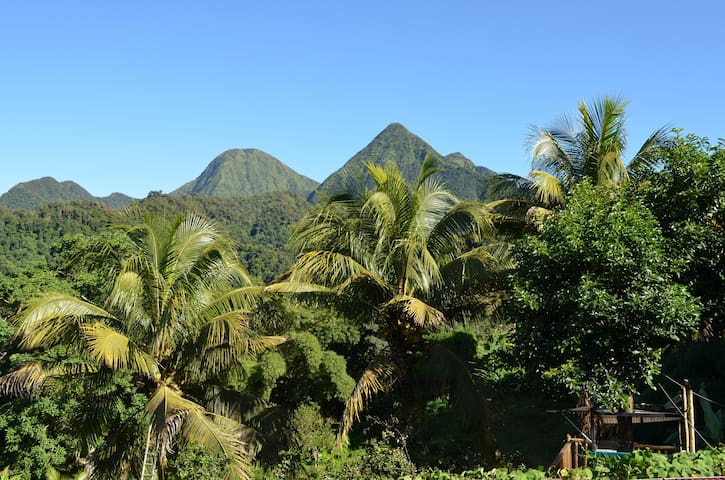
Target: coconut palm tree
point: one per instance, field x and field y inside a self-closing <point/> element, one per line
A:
<point x="176" y="318"/>
<point x="402" y="254"/>
<point x="591" y="147"/>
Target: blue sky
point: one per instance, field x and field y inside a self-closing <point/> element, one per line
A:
<point x="136" y="96"/>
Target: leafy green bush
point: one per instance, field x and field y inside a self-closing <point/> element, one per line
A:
<point x="641" y="464"/>
<point x="193" y="462"/>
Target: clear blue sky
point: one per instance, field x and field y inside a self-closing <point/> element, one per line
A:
<point x="134" y="96"/>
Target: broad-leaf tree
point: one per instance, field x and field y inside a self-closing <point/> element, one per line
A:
<point x="595" y="297"/>
<point x="685" y="190"/>
<point x="400" y="254"/>
<point x="176" y="319"/>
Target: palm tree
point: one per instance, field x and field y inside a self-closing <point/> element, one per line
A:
<point x="176" y="318"/>
<point x="400" y="253"/>
<point x="590" y="147"/>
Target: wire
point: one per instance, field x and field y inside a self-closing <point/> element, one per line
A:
<point x="577" y="429"/>
<point x="695" y="393"/>
<point x="682" y="414"/>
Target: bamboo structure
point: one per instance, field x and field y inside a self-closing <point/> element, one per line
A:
<point x="685" y="418"/>
<point x="691" y="416"/>
<point x="688" y="416"/>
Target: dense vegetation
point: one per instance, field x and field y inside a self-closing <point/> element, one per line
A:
<point x="392" y="330"/>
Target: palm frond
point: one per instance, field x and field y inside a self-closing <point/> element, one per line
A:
<point x="646" y="159"/>
<point x="324" y="268"/>
<point x="391" y="185"/>
<point x="422" y="272"/>
<point x="238" y="406"/>
<point x="549" y="189"/>
<point x="509" y="186"/>
<point x="464" y="224"/>
<point x="382" y="211"/>
<point x="26" y="380"/>
<point x="611" y="169"/>
<point x="430" y="167"/>
<point x="117" y="351"/>
<point x="192" y="240"/>
<point x="55" y="318"/>
<point x="242" y="299"/>
<point x="557" y="152"/>
<point x="478" y="265"/>
<point x="296" y="287"/>
<point x="603" y="140"/>
<point x="416" y="312"/>
<point x="432" y="203"/>
<point x="217" y="358"/>
<point x="173" y="415"/>
<point x="128" y="294"/>
<point x="241" y="408"/>
<point x="378" y="377"/>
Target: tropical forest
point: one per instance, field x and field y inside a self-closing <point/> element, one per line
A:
<point x="414" y="316"/>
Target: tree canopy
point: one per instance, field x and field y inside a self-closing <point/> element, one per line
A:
<point x="595" y="296"/>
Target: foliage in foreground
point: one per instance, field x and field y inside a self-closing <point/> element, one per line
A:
<point x="641" y="464"/>
<point x="176" y="321"/>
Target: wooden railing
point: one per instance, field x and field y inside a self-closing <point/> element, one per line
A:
<point x="572" y="455"/>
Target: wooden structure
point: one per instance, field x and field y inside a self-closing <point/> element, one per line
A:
<point x="573" y="454"/>
<point x="595" y="421"/>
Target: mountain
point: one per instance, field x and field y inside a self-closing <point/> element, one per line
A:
<point x="35" y="193"/>
<point x="397" y="144"/>
<point x="247" y="172"/>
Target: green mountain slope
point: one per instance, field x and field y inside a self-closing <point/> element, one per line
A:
<point x="116" y="200"/>
<point x="30" y="248"/>
<point x="260" y="224"/>
<point x="246" y="172"/>
<point x="407" y="150"/>
<point x="35" y="193"/>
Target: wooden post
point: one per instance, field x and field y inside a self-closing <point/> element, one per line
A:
<point x="691" y="419"/>
<point x="686" y="417"/>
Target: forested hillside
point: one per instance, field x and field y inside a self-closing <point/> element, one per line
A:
<point x="259" y="225"/>
<point x="32" y="242"/>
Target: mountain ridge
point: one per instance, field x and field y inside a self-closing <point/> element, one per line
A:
<point x="397" y="144"/>
<point x="40" y="191"/>
<point x="250" y="171"/>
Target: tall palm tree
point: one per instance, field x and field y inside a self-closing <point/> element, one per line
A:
<point x="590" y="147"/>
<point x="177" y="317"/>
<point x="400" y="253"/>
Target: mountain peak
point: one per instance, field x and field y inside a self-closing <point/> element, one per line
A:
<point x="396" y="144"/>
<point x="395" y="127"/>
<point x="244" y="172"/>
